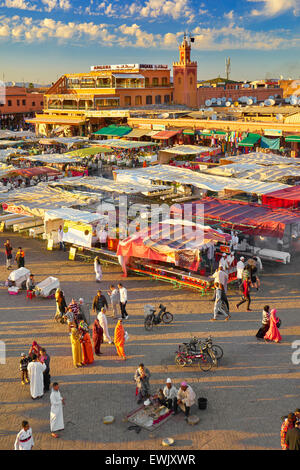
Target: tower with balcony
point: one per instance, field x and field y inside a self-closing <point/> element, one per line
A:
<point x="185" y="75"/>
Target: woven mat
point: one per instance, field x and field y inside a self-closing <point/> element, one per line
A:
<point x="139" y="418"/>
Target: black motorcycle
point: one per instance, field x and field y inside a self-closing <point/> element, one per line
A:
<point x="162" y="317"/>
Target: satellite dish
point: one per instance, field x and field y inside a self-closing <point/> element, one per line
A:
<point x="249" y="101"/>
<point x="279" y="117"/>
<point x="227" y="104"/>
<point x="214" y="117"/>
<point x="13" y="83"/>
<point x="271" y="97"/>
<point x="229" y="99"/>
<point x="223" y="99"/>
<point x="219" y="102"/>
<point x="236" y="104"/>
<point x="213" y="100"/>
<point x="207" y="102"/>
<point x="268" y="102"/>
<point x="293" y="100"/>
<point x="210" y="109"/>
<point x="287" y="100"/>
<point x="262" y="104"/>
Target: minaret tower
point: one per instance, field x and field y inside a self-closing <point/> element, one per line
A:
<point x="185" y="75"/>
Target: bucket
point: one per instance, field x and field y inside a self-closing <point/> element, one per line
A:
<point x="202" y="403"/>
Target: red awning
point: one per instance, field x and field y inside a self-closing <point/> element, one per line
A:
<point x="250" y="218"/>
<point x="35" y="171"/>
<point x="165" y="135"/>
<point x="288" y="198"/>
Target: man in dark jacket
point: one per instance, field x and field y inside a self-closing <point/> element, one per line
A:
<point x="99" y="302"/>
<point x="292" y="438"/>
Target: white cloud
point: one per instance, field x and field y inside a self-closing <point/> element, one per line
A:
<point x="229" y="15"/>
<point x="276" y="7"/>
<point x="55" y="4"/>
<point x="19" y="4"/>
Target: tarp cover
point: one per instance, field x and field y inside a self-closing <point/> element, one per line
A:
<point x="289" y="197"/>
<point x="35" y="171"/>
<point x="260" y="220"/>
<point x="192" y="150"/>
<point x="66" y="213"/>
<point x="165" y="135"/>
<point x="263" y="159"/>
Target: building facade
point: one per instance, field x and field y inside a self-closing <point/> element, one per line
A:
<point x="18" y="104"/>
<point x="185" y="76"/>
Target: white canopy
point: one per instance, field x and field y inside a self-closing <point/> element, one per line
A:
<point x="263" y="159"/>
<point x="52" y="158"/>
<point x="66" y="213"/>
<point x="124" y="144"/>
<point x="191" y="149"/>
<point x="200" y="180"/>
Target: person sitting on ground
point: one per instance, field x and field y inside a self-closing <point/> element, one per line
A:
<point x="186" y="398"/>
<point x="169" y="395"/>
<point x="30" y="284"/>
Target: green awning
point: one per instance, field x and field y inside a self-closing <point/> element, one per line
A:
<point x="114" y="131"/>
<point x="88" y="151"/>
<point x="250" y="140"/>
<point x="188" y="132"/>
<point x="220" y="133"/>
<point x="292" y="138"/>
<point x="205" y="133"/>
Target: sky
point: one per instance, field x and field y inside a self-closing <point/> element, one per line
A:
<point x="40" y="40"/>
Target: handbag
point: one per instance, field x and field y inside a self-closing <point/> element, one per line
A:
<point x="126" y="336"/>
<point x="278" y="324"/>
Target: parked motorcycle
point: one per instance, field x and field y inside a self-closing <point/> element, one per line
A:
<point x="151" y="318"/>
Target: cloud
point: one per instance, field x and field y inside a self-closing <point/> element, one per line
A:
<point x="276" y="7"/>
<point x="56" y="4"/>
<point x="19" y="4"/>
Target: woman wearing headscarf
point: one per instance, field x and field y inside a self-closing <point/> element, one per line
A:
<point x="86" y="344"/>
<point x="273" y="332"/>
<point x="61" y="305"/>
<point x="265" y="323"/>
<point x="119" y="339"/>
<point x="76" y="348"/>
<point x="103" y="322"/>
<point x="98" y="269"/>
<point x="97" y="337"/>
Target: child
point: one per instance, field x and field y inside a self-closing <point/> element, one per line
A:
<point x="23" y="368"/>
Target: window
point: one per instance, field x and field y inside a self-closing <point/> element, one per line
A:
<point x="8" y="102"/>
<point x="18" y="102"/>
<point x="164" y="81"/>
<point x="167" y="99"/>
<point x="33" y="103"/>
<point x="155" y="81"/>
<point x="191" y="81"/>
<point x="23" y="102"/>
<point x="127" y="100"/>
<point x="42" y="103"/>
<point x="146" y="81"/>
<point x="138" y="101"/>
<point x="179" y="81"/>
<point x="149" y="99"/>
<point x="158" y="99"/>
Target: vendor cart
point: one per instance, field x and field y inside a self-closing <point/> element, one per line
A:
<point x="47" y="287"/>
<point x="18" y="277"/>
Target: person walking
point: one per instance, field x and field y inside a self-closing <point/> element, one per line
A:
<point x="61" y="305"/>
<point x="292" y="438"/>
<point x="273" y="332"/>
<point x="240" y="270"/>
<point x="99" y="302"/>
<point x="97" y="337"/>
<point x="245" y="289"/>
<point x="221" y="306"/>
<point x="60" y="236"/>
<point x="115" y="300"/>
<point x="119" y="339"/>
<point x="8" y="253"/>
<point x="141" y="377"/>
<point x="103" y="322"/>
<point x="265" y="323"/>
<point x="288" y="423"/>
<point x="45" y="359"/>
<point x="24" y="361"/>
<point x="56" y="411"/>
<point x="123" y="301"/>
<point x="98" y="269"/>
<point x="20" y="258"/>
<point x="36" y="376"/>
<point x="24" y="439"/>
<point x="86" y="344"/>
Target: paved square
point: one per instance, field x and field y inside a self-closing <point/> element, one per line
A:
<point x="254" y="385"/>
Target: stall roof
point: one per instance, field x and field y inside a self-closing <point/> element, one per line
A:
<point x="234" y="169"/>
<point x="35" y="171"/>
<point x="51" y="158"/>
<point x="4" y="153"/>
<point x="250" y="140"/>
<point x="200" y="180"/>
<point x="103" y="184"/>
<point x="261" y="220"/>
<point x="261" y="159"/>
<point x="88" y="151"/>
<point x="69" y="141"/>
<point x="11" y="143"/>
<point x="7" y="134"/>
<point x="137" y="133"/>
<point x="38" y="199"/>
<point x="125" y="144"/>
<point x="289" y="197"/>
<point x="48" y="119"/>
<point x="113" y="130"/>
<point x="191" y="149"/>
<point x="165" y="135"/>
<point x="67" y="213"/>
<point x="292" y="138"/>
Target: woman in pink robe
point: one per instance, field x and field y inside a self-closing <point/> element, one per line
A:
<point x="273" y="332"/>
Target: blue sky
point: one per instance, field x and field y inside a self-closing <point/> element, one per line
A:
<point x="42" y="39"/>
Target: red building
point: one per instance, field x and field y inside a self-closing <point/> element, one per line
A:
<point x="19" y="104"/>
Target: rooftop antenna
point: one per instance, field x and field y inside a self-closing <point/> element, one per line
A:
<point x="227" y="67"/>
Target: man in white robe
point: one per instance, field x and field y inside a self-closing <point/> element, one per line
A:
<point x="36" y="376"/>
<point x="186" y="398"/>
<point x="24" y="439"/>
<point x="103" y="322"/>
<point x="56" y="412"/>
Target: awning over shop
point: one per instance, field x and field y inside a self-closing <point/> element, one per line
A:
<point x="126" y="76"/>
<point x="58" y="158"/>
<point x="47" y="119"/>
<point x="288" y="198"/>
<point x="67" y="213"/>
<point x="137" y="133"/>
<point x="204" y="133"/>
<point x="192" y="150"/>
<point x="259" y="219"/>
<point x="165" y="135"/>
<point x="261" y="159"/>
<point x="188" y="132"/>
<point x="250" y="140"/>
<point x="88" y="151"/>
<point x="115" y="131"/>
<point x="124" y="144"/>
<point x="292" y="138"/>
<point x="267" y="143"/>
<point x="35" y="171"/>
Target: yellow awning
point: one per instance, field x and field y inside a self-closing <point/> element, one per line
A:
<point x="46" y="119"/>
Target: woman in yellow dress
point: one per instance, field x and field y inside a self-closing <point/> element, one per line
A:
<point x="76" y="347"/>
